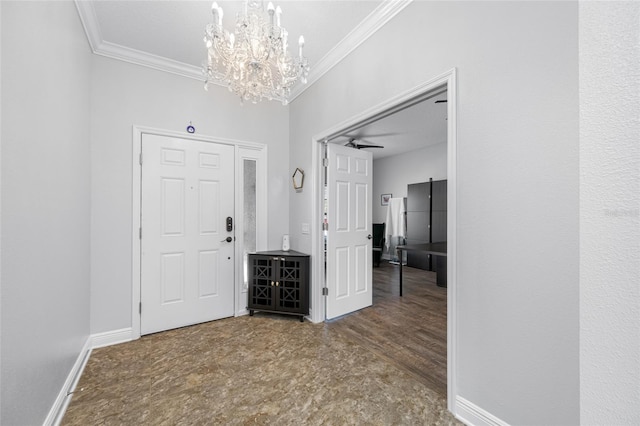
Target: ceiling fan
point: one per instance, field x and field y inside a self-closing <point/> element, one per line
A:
<point x="355" y="143"/>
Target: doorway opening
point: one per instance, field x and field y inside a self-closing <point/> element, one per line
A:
<point x="443" y="83"/>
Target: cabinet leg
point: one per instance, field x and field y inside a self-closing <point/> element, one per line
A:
<point x="250" y="312"/>
<point x="301" y="318"/>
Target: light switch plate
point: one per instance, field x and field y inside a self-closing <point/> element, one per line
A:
<point x="305" y="228"/>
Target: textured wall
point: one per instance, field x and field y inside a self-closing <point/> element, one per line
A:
<point x="0" y="210"/>
<point x="124" y="95"/>
<point x="517" y="184"/>
<point x="610" y="213"/>
<point x="45" y="204"/>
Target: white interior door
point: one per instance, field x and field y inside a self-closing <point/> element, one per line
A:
<point x="349" y="244"/>
<point x="187" y="260"/>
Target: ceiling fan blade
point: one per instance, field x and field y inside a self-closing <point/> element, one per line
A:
<point x="360" y="146"/>
<point x="354" y="143"/>
<point x="369" y="143"/>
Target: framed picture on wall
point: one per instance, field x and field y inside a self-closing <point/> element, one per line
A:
<point x="384" y="199"/>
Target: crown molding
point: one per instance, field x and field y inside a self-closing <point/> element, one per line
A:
<point x="149" y="60"/>
<point x="365" y="29"/>
<point x="115" y="51"/>
<point x="90" y="23"/>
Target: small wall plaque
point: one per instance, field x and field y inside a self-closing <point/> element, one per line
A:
<point x="298" y="179"/>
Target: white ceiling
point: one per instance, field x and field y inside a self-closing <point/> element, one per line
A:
<point x="174" y="29"/>
<point x="167" y="35"/>
<point x="419" y="126"/>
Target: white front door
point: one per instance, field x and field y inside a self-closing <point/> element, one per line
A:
<point x="349" y="245"/>
<point x="187" y="259"/>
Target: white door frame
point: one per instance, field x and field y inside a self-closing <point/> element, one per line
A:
<point x="243" y="150"/>
<point x="447" y="80"/>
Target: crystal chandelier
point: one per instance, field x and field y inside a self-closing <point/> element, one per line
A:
<point x="253" y="62"/>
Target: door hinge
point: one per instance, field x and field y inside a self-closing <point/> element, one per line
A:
<point x="325" y="291"/>
<point x="140" y="308"/>
<point x="140" y="232"/>
<point x="140" y="159"/>
<point x="325" y="162"/>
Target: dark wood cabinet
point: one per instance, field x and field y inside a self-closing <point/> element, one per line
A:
<point x="438" y="195"/>
<point x="438" y="211"/>
<point x="418" y="222"/>
<point x="418" y="226"/>
<point x="439" y="227"/>
<point x="426" y="220"/>
<point x="418" y="195"/>
<point x="279" y="282"/>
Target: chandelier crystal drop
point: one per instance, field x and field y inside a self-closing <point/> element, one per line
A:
<point x="254" y="62"/>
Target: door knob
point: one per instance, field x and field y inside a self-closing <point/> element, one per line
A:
<point x="369" y="237"/>
<point x="228" y="240"/>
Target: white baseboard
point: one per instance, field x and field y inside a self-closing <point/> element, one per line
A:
<point x="64" y="396"/>
<point x="470" y="414"/>
<point x="112" y="337"/>
<point x="94" y="341"/>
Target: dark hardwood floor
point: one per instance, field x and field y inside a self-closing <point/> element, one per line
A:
<point x="409" y="331"/>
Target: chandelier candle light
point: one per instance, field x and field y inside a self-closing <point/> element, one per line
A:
<point x="254" y="61"/>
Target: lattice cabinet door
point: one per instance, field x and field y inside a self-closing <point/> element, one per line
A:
<point x="262" y="282"/>
<point x="279" y="282"/>
<point x="292" y="276"/>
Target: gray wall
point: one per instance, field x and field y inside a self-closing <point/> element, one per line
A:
<point x="45" y="204"/>
<point x="391" y="175"/>
<point x="1" y="211"/>
<point x="518" y="176"/>
<point x="124" y="95"/>
<point x="517" y="163"/>
<point x="609" y="213"/>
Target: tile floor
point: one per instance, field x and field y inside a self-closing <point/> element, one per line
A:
<point x="266" y="369"/>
